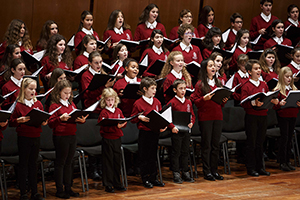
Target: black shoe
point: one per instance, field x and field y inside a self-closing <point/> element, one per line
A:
<point x="177" y="178"/>
<point x="263" y="172"/>
<point x="36" y="196"/>
<point x="187" y="177"/>
<point x="218" y="176"/>
<point x="24" y="197"/>
<point x="284" y="167"/>
<point x="109" y="189"/>
<point x="72" y="193"/>
<point x="209" y="177"/>
<point x="147" y="184"/>
<point x="290" y="166"/>
<point x="120" y="188"/>
<point x="157" y="183"/>
<point x="252" y="173"/>
<point x="95" y="176"/>
<point x="62" y="195"/>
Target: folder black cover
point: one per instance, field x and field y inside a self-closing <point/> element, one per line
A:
<point x="197" y="42"/>
<point x="156" y="67"/>
<point x="78" y="113"/>
<point x="2" y="98"/>
<point x="114" y="121"/>
<point x="263" y="97"/>
<point x="42" y="96"/>
<point x="282" y="51"/>
<point x="100" y="44"/>
<point x="70" y="43"/>
<point x="143" y="65"/>
<point x="272" y="83"/>
<point x="254" y="54"/>
<point x="78" y="97"/>
<point x="35" y="74"/>
<point x="32" y="59"/>
<point x="170" y="91"/>
<point x="193" y="68"/>
<point x="181" y="120"/>
<point x="130" y="44"/>
<point x="37" y="117"/>
<point x="292" y="32"/>
<point x="4" y="115"/>
<point x="225" y="54"/>
<point x="220" y="94"/>
<point x="76" y="72"/>
<point x="99" y="80"/>
<point x="291" y="99"/>
<point x="169" y="42"/>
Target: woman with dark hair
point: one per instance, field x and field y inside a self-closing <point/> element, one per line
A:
<point x="293" y="20"/>
<point x="49" y="28"/>
<point x="206" y="20"/>
<point x="213" y="39"/>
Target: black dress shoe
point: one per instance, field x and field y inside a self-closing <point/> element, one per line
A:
<point x="62" y="195"/>
<point x="263" y="172"/>
<point x="209" y="177"/>
<point x="120" y="188"/>
<point x="95" y="176"/>
<point x="284" y="167"/>
<point x="157" y="183"/>
<point x="109" y="189"/>
<point x="218" y="176"/>
<point x="147" y="184"/>
<point x="290" y="166"/>
<point x="252" y="173"/>
<point x="72" y="193"/>
<point x="36" y="196"/>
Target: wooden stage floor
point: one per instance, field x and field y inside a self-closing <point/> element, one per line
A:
<point x="238" y="185"/>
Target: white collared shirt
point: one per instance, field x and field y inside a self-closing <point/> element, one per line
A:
<point x="157" y="50"/>
<point x="242" y="74"/>
<point x="59" y="58"/>
<point x="182" y="100"/>
<point x="148" y="100"/>
<point x="278" y="40"/>
<point x="211" y="82"/>
<point x="110" y="109"/>
<point x="218" y="47"/>
<point x="65" y="103"/>
<point x="177" y="75"/>
<point x="209" y="26"/>
<point x="120" y="63"/>
<point x="271" y="69"/>
<point x="288" y="87"/>
<point x="151" y="26"/>
<point x="16" y="81"/>
<point x="118" y="31"/>
<point x="130" y="80"/>
<point x="185" y="47"/>
<point x="20" y="43"/>
<point x="234" y="31"/>
<point x="265" y="17"/>
<point x="218" y="74"/>
<point x="295" y="23"/>
<point x="244" y="49"/>
<point x="88" y="32"/>
<point x="93" y="71"/>
<point x="256" y="83"/>
<point x="29" y="103"/>
<point x="86" y="54"/>
<point x="297" y="66"/>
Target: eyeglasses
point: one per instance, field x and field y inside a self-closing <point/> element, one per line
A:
<point x="238" y="22"/>
<point x="188" y="16"/>
<point x="189" y="33"/>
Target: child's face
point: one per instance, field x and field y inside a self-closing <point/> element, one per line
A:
<point x="211" y="69"/>
<point x="110" y="102"/>
<point x="287" y="78"/>
<point x="244" y="39"/>
<point x="53" y="29"/>
<point x="96" y="63"/>
<point x="210" y="17"/>
<point x="19" y="72"/>
<point x="294" y="14"/>
<point x="17" y="53"/>
<point x="132" y="70"/>
<point x="296" y="57"/>
<point x="270" y="59"/>
<point x="187" y="18"/>
<point x="123" y="53"/>
<point x="87" y="22"/>
<point x="216" y="39"/>
<point x="278" y="30"/>
<point x="22" y="31"/>
<point x="187" y="36"/>
<point x="60" y="46"/>
<point x="242" y="67"/>
<point x="153" y="14"/>
<point x="119" y="21"/>
<point x="29" y="91"/>
<point x="237" y="24"/>
<point x="180" y="90"/>
<point x="91" y="46"/>
<point x="266" y="8"/>
<point x="158" y="40"/>
<point x="255" y="72"/>
<point x="177" y="63"/>
<point x="65" y="93"/>
<point x="218" y="62"/>
<point x="151" y="91"/>
<point x="62" y="77"/>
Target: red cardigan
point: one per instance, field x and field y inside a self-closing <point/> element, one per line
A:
<point x="202" y="30"/>
<point x="8" y="87"/>
<point x="174" y="35"/>
<point x="206" y="53"/>
<point x="143" y="33"/>
<point x="193" y="55"/>
<point x="80" y="61"/>
<point x="271" y="42"/>
<point x="230" y="40"/>
<point x="49" y="67"/>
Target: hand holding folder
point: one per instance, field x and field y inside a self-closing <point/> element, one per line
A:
<point x="36" y="117"/>
<point x="263" y="100"/>
<point x="77" y="114"/>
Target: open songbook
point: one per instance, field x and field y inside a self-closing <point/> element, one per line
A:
<point x="74" y="114"/>
<point x="291" y="99"/>
<point x="143" y="64"/>
<point x="35" y="74"/>
<point x="2" y="98"/>
<point x="5" y="114"/>
<point x="115" y="121"/>
<point x="222" y="92"/>
<point x="133" y="44"/>
<point x="262" y="97"/>
<point x="75" y="72"/>
<point x="181" y="121"/>
<point x="100" y="80"/>
<point x="225" y="53"/>
<point x="37" y="117"/>
<point x="32" y="59"/>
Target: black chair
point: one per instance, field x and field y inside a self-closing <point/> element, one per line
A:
<point x="10" y="155"/>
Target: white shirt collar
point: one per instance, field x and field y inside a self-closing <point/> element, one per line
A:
<point x="185" y="47"/>
<point x="93" y="71"/>
<point x="16" y="81"/>
<point x="118" y="31"/>
<point x="242" y="74"/>
<point x="86" y="54"/>
<point x="243" y="49"/>
<point x="256" y="83"/>
<point x="297" y="66"/>
<point x="59" y="58"/>
<point x="151" y="26"/>
<point x="20" y="43"/>
<point x="218" y="47"/>
<point x="88" y="32"/>
<point x="288" y="87"/>
<point x="209" y="26"/>
<point x="295" y="23"/>
<point x="148" y="100"/>
<point x="182" y="100"/>
<point x="271" y="69"/>
<point x="29" y="103"/>
<point x="278" y="40"/>
<point x="211" y="82"/>
<point x="110" y="109"/>
<point x="130" y="80"/>
<point x="120" y="63"/>
<point x="177" y="75"/>
<point x="65" y="103"/>
<point x="157" y="50"/>
<point x="234" y="31"/>
<point x="218" y="74"/>
<point x="265" y="17"/>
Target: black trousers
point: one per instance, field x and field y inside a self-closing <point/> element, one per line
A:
<point x="287" y="126"/>
<point x="256" y="127"/>
<point x="28" y="155"/>
<point x="210" y="138"/>
<point x="148" y="144"/>
<point x="111" y="155"/>
<point x="180" y="151"/>
<point x="65" y="147"/>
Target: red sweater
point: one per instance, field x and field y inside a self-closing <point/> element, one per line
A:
<point x="80" y="61"/>
<point x="8" y="87"/>
<point x="294" y="70"/>
<point x="202" y="30"/>
<point x="126" y="104"/>
<point x="237" y="79"/>
<point x="49" y="67"/>
<point x="141" y="105"/>
<point x="110" y="132"/>
<point x="268" y="76"/>
<point x="79" y="36"/>
<point x="257" y="23"/>
<point x="249" y="89"/>
<point x="121" y="69"/>
<point x="183" y="107"/>
<point x="193" y="55"/>
<point x="22" y="110"/>
<point x="230" y="40"/>
<point x="207" y="110"/>
<point x="233" y="62"/>
<point x="152" y="57"/>
<point x="223" y="79"/>
<point x="59" y="127"/>
<point x="174" y="35"/>
<point x="206" y="53"/>
<point x="271" y="42"/>
<point x="143" y="33"/>
<point x="285" y="112"/>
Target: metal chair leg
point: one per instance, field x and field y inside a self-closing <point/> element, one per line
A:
<point x="84" y="169"/>
<point x="224" y="158"/>
<point x="43" y="180"/>
<point x="81" y="173"/>
<point x="227" y="158"/>
<point x="294" y="150"/>
<point x="159" y="168"/>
